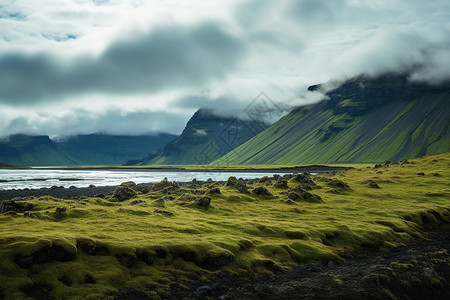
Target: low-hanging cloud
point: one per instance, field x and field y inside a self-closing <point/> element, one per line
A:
<point x="279" y="47"/>
<point x="167" y="57"/>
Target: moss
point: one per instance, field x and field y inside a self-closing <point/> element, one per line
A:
<point x="116" y="245"/>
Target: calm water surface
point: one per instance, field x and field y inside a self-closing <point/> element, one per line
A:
<point x="39" y="178"/>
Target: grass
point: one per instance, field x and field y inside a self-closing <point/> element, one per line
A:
<point x="102" y="245"/>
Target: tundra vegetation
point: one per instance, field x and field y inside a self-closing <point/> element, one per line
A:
<point x="149" y="239"/>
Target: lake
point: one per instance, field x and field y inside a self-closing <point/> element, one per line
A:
<point x="39" y="178"/>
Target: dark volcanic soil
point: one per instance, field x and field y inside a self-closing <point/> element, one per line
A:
<point x="420" y="270"/>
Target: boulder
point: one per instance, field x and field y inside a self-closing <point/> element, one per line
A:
<point x="261" y="191"/>
<point x="204" y="202"/>
<point x="123" y="193"/>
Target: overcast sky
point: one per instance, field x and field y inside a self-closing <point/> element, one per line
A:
<point x="141" y="66"/>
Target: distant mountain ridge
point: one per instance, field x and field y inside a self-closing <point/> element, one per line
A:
<point x="365" y="120"/>
<point x="95" y="149"/>
<point x="206" y="137"/>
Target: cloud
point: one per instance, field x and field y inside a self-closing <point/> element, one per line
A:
<point x="78" y="121"/>
<point x="200" y="132"/>
<point x="162" y="59"/>
<point x="167" y="57"/>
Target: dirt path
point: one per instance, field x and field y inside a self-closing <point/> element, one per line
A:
<point x="420" y="270"/>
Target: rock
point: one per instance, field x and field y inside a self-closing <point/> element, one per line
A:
<point x="377" y="166"/>
<point x="293" y="196"/>
<point x="160" y="202"/>
<point x="209" y="180"/>
<point x="101" y="196"/>
<point x="61" y="210"/>
<point x="305" y="180"/>
<point x="204" y="202"/>
<point x="72" y="187"/>
<point x="266" y="179"/>
<point x="122" y="193"/>
<point x="203" y="291"/>
<point x="165" y="212"/>
<point x="131" y="184"/>
<point x="28" y="214"/>
<point x="336" y="183"/>
<point x="15" y="206"/>
<point x="374" y="185"/>
<point x="281" y="183"/>
<point x="194" y="181"/>
<point x="421" y="174"/>
<point x="215" y="190"/>
<point x="139" y="201"/>
<point x="91" y="186"/>
<point x="242" y="189"/>
<point x="232" y="181"/>
<point x="169" y="198"/>
<point x="261" y="191"/>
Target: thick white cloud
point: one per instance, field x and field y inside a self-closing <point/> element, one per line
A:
<point x="92" y="62"/>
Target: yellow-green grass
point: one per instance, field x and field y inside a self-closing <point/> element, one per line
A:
<point x="239" y="233"/>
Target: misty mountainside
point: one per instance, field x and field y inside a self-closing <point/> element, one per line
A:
<point x="29" y="150"/>
<point x="103" y="149"/>
<point x="364" y="120"/>
<point x="94" y="149"/>
<point x="206" y="137"/>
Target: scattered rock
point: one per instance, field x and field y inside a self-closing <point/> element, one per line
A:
<point x="261" y="191"/>
<point x="374" y="185"/>
<point x="305" y="180"/>
<point x="28" y="214"/>
<point x="165" y="212"/>
<point x="15" y="206"/>
<point x="122" y="193"/>
<point x="131" y="184"/>
<point x="204" y="202"/>
<point x="138" y="201"/>
<point x="336" y="183"/>
<point x="215" y="190"/>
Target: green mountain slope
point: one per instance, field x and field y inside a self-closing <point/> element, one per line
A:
<point x="365" y="120"/>
<point x="102" y="149"/>
<point x="27" y="150"/>
<point x="94" y="149"/>
<point x="205" y="138"/>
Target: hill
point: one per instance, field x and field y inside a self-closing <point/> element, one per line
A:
<point x="364" y="120"/>
<point x="28" y="150"/>
<point x="94" y="149"/>
<point x="205" y="138"/>
<point x="102" y="149"/>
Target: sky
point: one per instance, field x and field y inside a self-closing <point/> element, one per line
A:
<point x="145" y="66"/>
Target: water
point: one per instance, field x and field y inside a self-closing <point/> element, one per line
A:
<point x="39" y="178"/>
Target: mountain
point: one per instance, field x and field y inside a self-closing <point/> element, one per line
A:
<point x="365" y="120"/>
<point x="102" y="149"/>
<point x="28" y="150"/>
<point x="94" y="149"/>
<point x="205" y="138"/>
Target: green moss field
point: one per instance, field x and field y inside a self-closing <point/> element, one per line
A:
<point x="90" y="248"/>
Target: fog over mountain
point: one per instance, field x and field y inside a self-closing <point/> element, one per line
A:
<point x="135" y="67"/>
